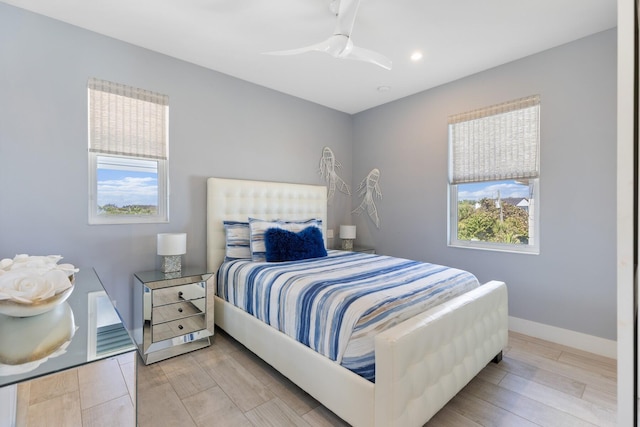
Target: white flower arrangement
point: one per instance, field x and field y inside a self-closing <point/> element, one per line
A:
<point x="29" y="279"/>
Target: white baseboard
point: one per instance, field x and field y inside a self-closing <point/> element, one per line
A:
<point x="590" y="343"/>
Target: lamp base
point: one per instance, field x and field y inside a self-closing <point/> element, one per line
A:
<point x="171" y="263"/>
<point x="347" y="244"/>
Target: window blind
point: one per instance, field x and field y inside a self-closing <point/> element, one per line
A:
<point x="496" y="143"/>
<point x="127" y="121"/>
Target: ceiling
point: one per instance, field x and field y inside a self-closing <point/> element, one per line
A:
<point x="457" y="38"/>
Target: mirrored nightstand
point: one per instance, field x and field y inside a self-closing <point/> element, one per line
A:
<point x="173" y="313"/>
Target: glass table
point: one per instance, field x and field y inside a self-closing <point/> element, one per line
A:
<point x="83" y="329"/>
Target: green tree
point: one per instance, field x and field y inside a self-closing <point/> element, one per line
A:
<point x="466" y="208"/>
<point x="488" y="222"/>
<point x="111" y="209"/>
<point x="478" y="226"/>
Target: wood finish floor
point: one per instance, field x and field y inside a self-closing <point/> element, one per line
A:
<point x="538" y="383"/>
<point x="98" y="394"/>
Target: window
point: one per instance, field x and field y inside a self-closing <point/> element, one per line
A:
<point x="128" y="154"/>
<point x="494" y="158"/>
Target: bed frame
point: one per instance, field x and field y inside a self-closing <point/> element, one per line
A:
<point x="421" y="363"/>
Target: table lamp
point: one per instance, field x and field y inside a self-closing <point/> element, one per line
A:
<point x="348" y="235"/>
<point x="172" y="246"/>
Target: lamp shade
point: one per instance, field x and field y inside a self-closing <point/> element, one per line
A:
<point x="347" y="231"/>
<point x="172" y="243"/>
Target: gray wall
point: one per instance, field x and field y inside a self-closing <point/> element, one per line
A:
<point x="572" y="283"/>
<point x="219" y="126"/>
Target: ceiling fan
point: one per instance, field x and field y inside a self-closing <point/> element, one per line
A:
<point x="339" y="45"/>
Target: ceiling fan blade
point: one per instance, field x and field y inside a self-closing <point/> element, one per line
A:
<point x="361" y="54"/>
<point x="334" y="45"/>
<point x="314" y="47"/>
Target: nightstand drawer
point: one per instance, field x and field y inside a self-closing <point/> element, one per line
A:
<point x="175" y="328"/>
<point x="178" y="293"/>
<point x="177" y="311"/>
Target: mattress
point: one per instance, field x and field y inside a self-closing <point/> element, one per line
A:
<point x="337" y="304"/>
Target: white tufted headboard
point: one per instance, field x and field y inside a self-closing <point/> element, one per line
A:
<point x="237" y="200"/>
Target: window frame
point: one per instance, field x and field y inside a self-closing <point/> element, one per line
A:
<point x="162" y="215"/>
<point x="146" y="148"/>
<point x="492" y="144"/>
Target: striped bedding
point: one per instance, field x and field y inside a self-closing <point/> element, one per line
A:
<point x="336" y="304"/>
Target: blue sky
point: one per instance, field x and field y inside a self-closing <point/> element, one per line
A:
<point x="121" y="187"/>
<point x="477" y="191"/>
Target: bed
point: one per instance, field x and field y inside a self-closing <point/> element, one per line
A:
<point x="420" y="363"/>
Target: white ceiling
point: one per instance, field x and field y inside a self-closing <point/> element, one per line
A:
<point x="457" y="38"/>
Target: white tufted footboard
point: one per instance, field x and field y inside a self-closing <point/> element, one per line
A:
<point x="420" y="364"/>
<point x="423" y="362"/>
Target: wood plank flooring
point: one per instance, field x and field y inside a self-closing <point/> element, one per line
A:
<point x="98" y="394"/>
<point x="538" y="383"/>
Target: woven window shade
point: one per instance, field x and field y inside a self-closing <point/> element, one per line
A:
<point x="127" y="121"/>
<point x="496" y="143"/>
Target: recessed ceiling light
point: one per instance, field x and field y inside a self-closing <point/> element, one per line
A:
<point x="384" y="88"/>
<point x="416" y="56"/>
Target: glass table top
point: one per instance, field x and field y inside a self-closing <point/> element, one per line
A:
<point x="80" y="330"/>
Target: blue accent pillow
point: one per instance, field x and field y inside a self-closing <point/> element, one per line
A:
<point x="284" y="245"/>
<point x="257" y="228"/>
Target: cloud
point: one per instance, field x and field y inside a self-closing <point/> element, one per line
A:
<point x="490" y="191"/>
<point x="128" y="191"/>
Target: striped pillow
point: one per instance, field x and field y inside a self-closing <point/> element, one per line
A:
<point x="259" y="226"/>
<point x="237" y="240"/>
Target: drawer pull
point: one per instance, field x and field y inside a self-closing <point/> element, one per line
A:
<point x="180" y="310"/>
<point x="180" y="294"/>
<point x="180" y="327"/>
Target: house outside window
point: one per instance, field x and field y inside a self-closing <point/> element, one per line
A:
<point x="494" y="169"/>
<point x="128" y="154"/>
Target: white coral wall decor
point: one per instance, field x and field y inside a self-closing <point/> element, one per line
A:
<point x="367" y="189"/>
<point x="328" y="166"/>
